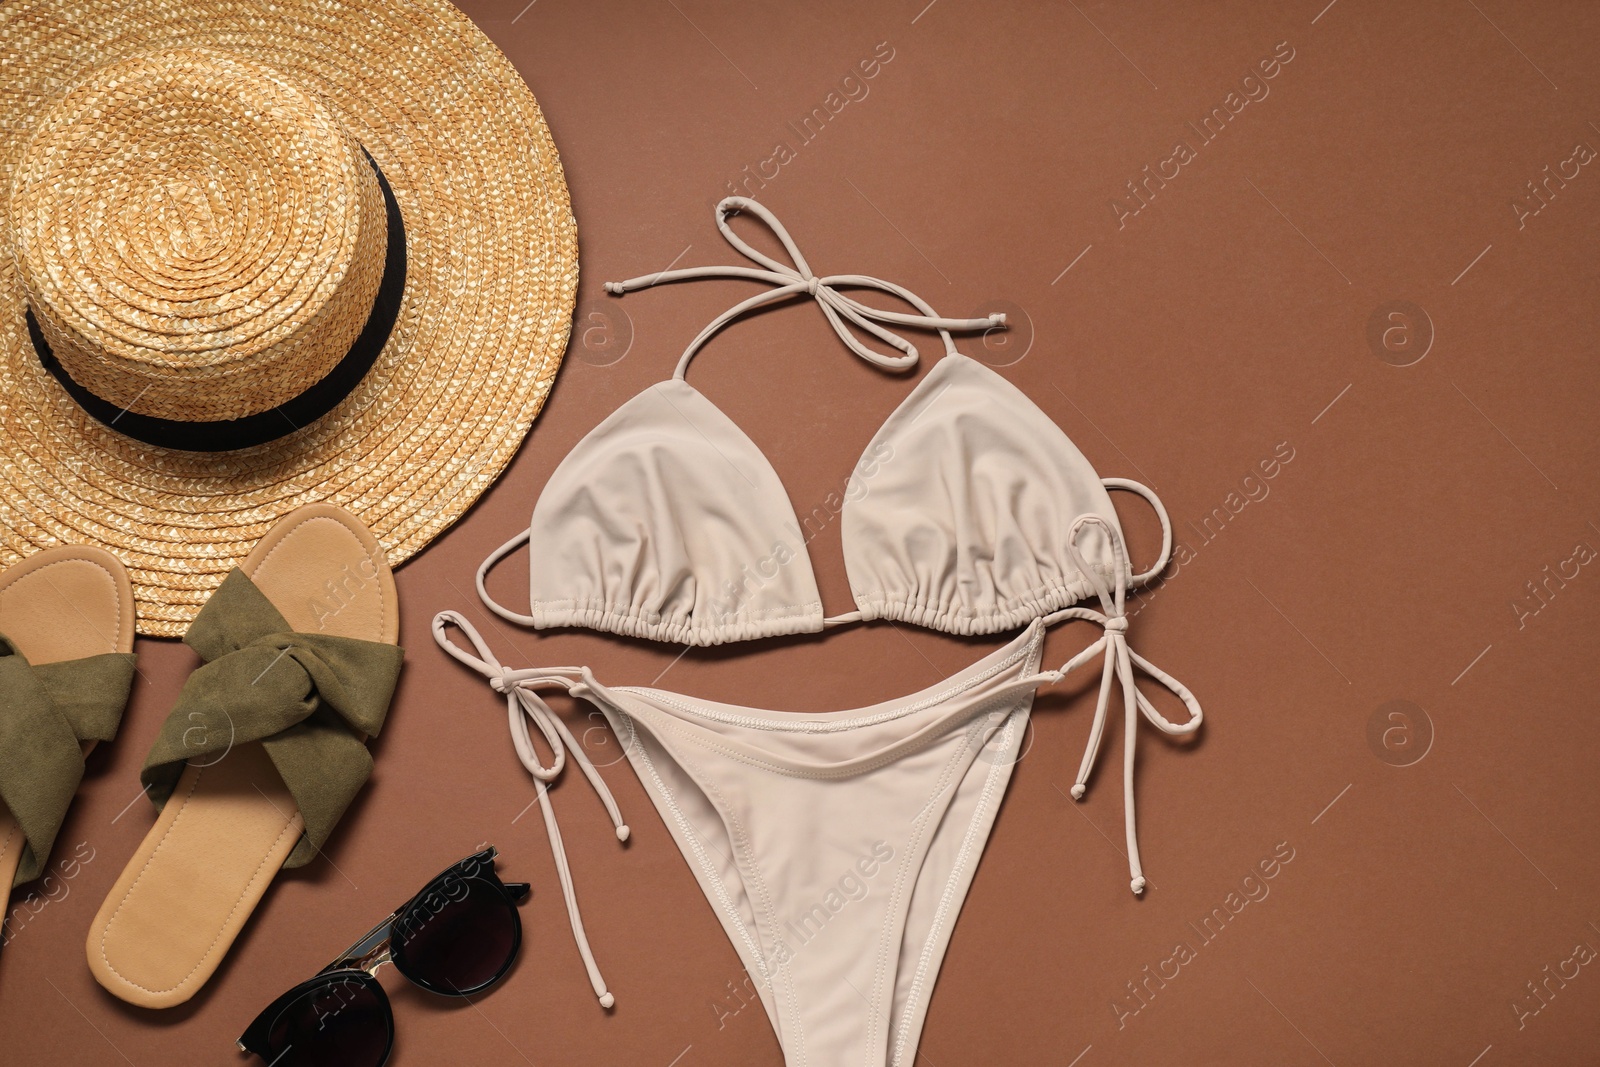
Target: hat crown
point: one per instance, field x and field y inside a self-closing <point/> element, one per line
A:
<point x="180" y="205"/>
<point x="197" y="236"/>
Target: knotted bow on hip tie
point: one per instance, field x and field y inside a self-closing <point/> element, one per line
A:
<point x="797" y="278"/>
<point x="310" y="699"/>
<point x="1119" y="663"/>
<point x="523" y="704"/>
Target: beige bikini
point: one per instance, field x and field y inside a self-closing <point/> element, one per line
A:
<point x="836" y="849"/>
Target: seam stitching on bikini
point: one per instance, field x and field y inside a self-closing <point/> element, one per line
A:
<point x="713" y="877"/>
<point x="741" y="844"/>
<point x="831" y="726"/>
<point x="944" y="898"/>
<point x="919" y="827"/>
<point x="896" y="751"/>
<point x="656" y="618"/>
<point x="920" y="976"/>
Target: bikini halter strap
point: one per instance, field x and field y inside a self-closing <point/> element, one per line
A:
<point x="1120" y="660"/>
<point x="523" y="704"/>
<point x="796" y="278"/>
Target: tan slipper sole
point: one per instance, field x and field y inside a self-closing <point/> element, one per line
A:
<point x="63" y="603"/>
<point x="230" y="824"/>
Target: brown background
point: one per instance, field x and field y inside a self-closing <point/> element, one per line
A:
<point x="1225" y="320"/>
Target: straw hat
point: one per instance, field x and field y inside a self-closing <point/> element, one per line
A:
<point x="255" y="255"/>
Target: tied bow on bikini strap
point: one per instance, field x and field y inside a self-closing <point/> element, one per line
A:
<point x="1119" y="663"/>
<point x="524" y="704"/>
<point x="795" y="278"/>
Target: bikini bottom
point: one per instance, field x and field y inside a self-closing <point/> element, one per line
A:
<point x="836" y="849"/>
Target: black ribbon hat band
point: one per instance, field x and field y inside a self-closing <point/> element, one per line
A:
<point x="300" y="411"/>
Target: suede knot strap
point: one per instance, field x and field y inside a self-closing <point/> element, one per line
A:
<point x="310" y="699"/>
<point x="50" y="710"/>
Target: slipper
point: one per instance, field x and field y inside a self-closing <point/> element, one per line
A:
<point x="261" y="755"/>
<point x="66" y="667"/>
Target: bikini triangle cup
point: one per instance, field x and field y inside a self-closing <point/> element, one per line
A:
<point x="981" y="517"/>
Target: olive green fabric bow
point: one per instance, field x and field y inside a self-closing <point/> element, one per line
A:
<point x="308" y="698"/>
<point x="49" y="709"/>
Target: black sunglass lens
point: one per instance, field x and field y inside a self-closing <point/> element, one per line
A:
<point x="458" y="937"/>
<point x="344" y="1023"/>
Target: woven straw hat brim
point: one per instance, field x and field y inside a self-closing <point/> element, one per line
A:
<point x="491" y="277"/>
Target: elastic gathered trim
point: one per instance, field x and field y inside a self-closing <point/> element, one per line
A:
<point x="743" y="626"/>
<point x="956" y="618"/>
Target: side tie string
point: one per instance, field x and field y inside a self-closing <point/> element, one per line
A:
<point x="796" y="278"/>
<point x="524" y="704"/>
<point x="1120" y="661"/>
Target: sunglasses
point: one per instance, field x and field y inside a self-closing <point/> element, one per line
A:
<point x="459" y="935"/>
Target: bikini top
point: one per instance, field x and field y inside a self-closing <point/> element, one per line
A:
<point x="667" y="522"/>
